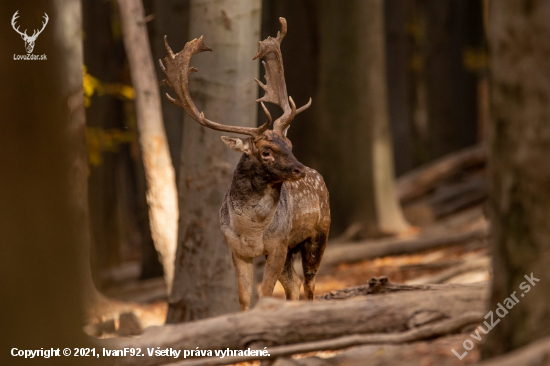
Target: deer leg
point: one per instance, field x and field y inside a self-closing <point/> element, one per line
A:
<point x="273" y="268"/>
<point x="312" y="251"/>
<point x="245" y="278"/>
<point x="290" y="279"/>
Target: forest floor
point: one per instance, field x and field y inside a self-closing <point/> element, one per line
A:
<point x="453" y="207"/>
<point x="408" y="268"/>
<point x="397" y="268"/>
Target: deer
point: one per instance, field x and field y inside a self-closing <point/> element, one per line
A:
<point x="29" y="40"/>
<point x="275" y="206"/>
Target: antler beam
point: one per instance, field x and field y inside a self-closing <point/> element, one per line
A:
<point x="275" y="87"/>
<point x="177" y="70"/>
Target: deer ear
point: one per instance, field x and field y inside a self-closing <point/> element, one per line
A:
<point x="237" y="144"/>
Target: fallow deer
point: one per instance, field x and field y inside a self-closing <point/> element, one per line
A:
<point x="275" y="206"/>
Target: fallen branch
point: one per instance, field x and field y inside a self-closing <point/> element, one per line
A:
<point x="469" y="266"/>
<point x="275" y="322"/>
<point x="380" y="285"/>
<point x="431" y="265"/>
<point x="534" y="354"/>
<point x="424" y="352"/>
<point x="420" y="181"/>
<point x="424" y="332"/>
<point x="369" y="249"/>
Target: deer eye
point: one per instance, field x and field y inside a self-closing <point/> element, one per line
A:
<point x="265" y="153"/>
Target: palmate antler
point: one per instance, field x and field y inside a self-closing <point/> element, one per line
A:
<point x="177" y="70"/>
<point x="275" y="87"/>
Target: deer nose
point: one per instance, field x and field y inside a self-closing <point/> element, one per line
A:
<point x="298" y="170"/>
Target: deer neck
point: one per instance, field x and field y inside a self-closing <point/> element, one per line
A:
<point x="253" y="198"/>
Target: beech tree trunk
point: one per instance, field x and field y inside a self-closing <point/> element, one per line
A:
<point x="205" y="283"/>
<point x="43" y="215"/>
<point x="452" y="28"/>
<point x="159" y="171"/>
<point x="519" y="161"/>
<point x="354" y="141"/>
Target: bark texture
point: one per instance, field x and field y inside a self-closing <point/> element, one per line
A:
<point x="161" y="181"/>
<point x="352" y="114"/>
<point x="276" y="322"/>
<point x="43" y="226"/>
<point x="520" y="169"/>
<point x="205" y="282"/>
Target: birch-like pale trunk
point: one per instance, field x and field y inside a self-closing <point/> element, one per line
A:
<point x="159" y="171"/>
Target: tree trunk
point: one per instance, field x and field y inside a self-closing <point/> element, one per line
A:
<point x="43" y="215"/>
<point x="161" y="183"/>
<point x="354" y="142"/>
<point x="103" y="59"/>
<point x="398" y="15"/>
<point x="452" y="28"/>
<point x="205" y="283"/>
<point x="520" y="170"/>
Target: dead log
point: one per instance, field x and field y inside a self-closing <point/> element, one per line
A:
<point x="381" y="285"/>
<point x="534" y="354"/>
<point x="424" y="332"/>
<point x="369" y="249"/>
<point x="431" y="352"/>
<point x="458" y="196"/>
<point x="469" y="266"/>
<point x="276" y="322"/>
<point x="420" y="181"/>
<point x="431" y="265"/>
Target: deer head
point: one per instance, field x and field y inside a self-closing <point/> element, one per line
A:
<point x="270" y="151"/>
<point x="29" y="40"/>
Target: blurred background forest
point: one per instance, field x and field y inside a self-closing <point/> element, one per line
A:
<point x="435" y="81"/>
<point x="429" y="124"/>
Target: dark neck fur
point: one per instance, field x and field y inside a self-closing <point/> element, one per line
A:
<point x="251" y="180"/>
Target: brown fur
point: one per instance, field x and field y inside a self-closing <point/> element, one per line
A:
<point x="269" y="211"/>
<point x="275" y="205"/>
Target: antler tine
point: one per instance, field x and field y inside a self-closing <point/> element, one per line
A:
<point x="46" y="18"/>
<point x="15" y="16"/>
<point x="275" y="86"/>
<point x="177" y="70"/>
<point x="267" y="114"/>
